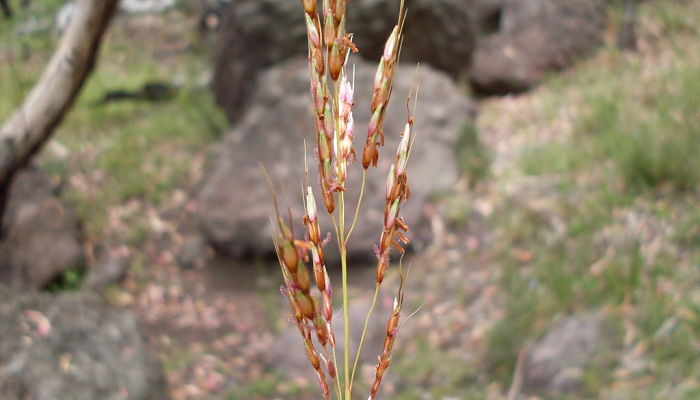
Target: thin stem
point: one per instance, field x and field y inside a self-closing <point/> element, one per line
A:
<point x="337" y="231"/>
<point x="338" y="389"/>
<point x="357" y="208"/>
<point x="364" y="332"/>
<point x="346" y="317"/>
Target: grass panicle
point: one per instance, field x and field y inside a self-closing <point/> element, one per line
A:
<point x="329" y="47"/>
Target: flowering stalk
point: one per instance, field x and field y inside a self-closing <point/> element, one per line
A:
<point x="392" y="329"/>
<point x="328" y="48"/>
<point x="397" y="192"/>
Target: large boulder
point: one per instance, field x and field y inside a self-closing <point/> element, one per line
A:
<point x="486" y="14"/>
<point x="41" y="234"/>
<point x="557" y="365"/>
<point x="535" y="38"/>
<point x="72" y="346"/>
<point x="234" y="204"/>
<point x="256" y="34"/>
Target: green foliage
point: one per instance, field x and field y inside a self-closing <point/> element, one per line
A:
<point x="473" y="158"/>
<point x="267" y="388"/>
<point x="653" y="137"/>
<point x="675" y="17"/>
<point x="137" y="149"/>
<point x="70" y="280"/>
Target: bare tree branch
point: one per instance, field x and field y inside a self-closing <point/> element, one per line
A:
<point x="23" y="134"/>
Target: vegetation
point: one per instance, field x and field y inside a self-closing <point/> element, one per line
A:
<point x="615" y="227"/>
<point x="472" y="156"/>
<point x="631" y="153"/>
<point x="115" y="152"/>
<point x="329" y="48"/>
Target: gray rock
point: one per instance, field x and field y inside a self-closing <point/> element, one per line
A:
<point x="72" y="346"/>
<point x="234" y="204"/>
<point x="111" y="267"/>
<point x="557" y="364"/>
<point x="256" y="34"/>
<point x="536" y="37"/>
<point x="193" y="251"/>
<point x="41" y="234"/>
<point x="486" y="14"/>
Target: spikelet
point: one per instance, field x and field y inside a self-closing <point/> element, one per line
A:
<point x="344" y="152"/>
<point x="323" y="323"/>
<point x="392" y="329"/>
<point x="296" y="289"/>
<point x="383" y="84"/>
<point x="292" y="256"/>
<point x="397" y="192"/>
<point x="319" y="93"/>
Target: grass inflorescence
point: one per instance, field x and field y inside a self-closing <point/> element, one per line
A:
<point x="332" y="94"/>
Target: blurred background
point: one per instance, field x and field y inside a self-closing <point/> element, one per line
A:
<point x="555" y="218"/>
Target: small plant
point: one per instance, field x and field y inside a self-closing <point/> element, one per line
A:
<point x="329" y="48"/>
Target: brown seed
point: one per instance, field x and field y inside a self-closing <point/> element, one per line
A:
<point x="306" y="305"/>
<point x="302" y="278"/>
<point x="369" y="155"/>
<point x="309" y="6"/>
<point x="339" y="11"/>
<point x="290" y="258"/>
<point x="298" y="314"/>
<point x="335" y="64"/>
<point x="311" y="353"/>
<point x="321" y="332"/>
<point x="317" y="58"/>
<point x="330" y="365"/>
<point x="329" y="31"/>
<point x="319" y="273"/>
<point x="328" y="200"/>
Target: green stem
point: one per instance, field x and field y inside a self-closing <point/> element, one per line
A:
<point x="359" y="202"/>
<point x="338" y="388"/>
<point x="346" y="317"/>
<point x="364" y="332"/>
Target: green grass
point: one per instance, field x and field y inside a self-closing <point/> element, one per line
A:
<point x="131" y="149"/>
<point x="430" y="372"/>
<point x="473" y="158"/>
<point x="72" y="279"/>
<point x="652" y="137"/>
<point x="633" y="150"/>
<point x="271" y="387"/>
<point x="634" y="120"/>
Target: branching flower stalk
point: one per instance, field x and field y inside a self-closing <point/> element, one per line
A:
<point x="329" y="47"/>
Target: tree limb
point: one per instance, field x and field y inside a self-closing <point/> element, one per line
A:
<point x="22" y="135"/>
<point x="26" y="130"/>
